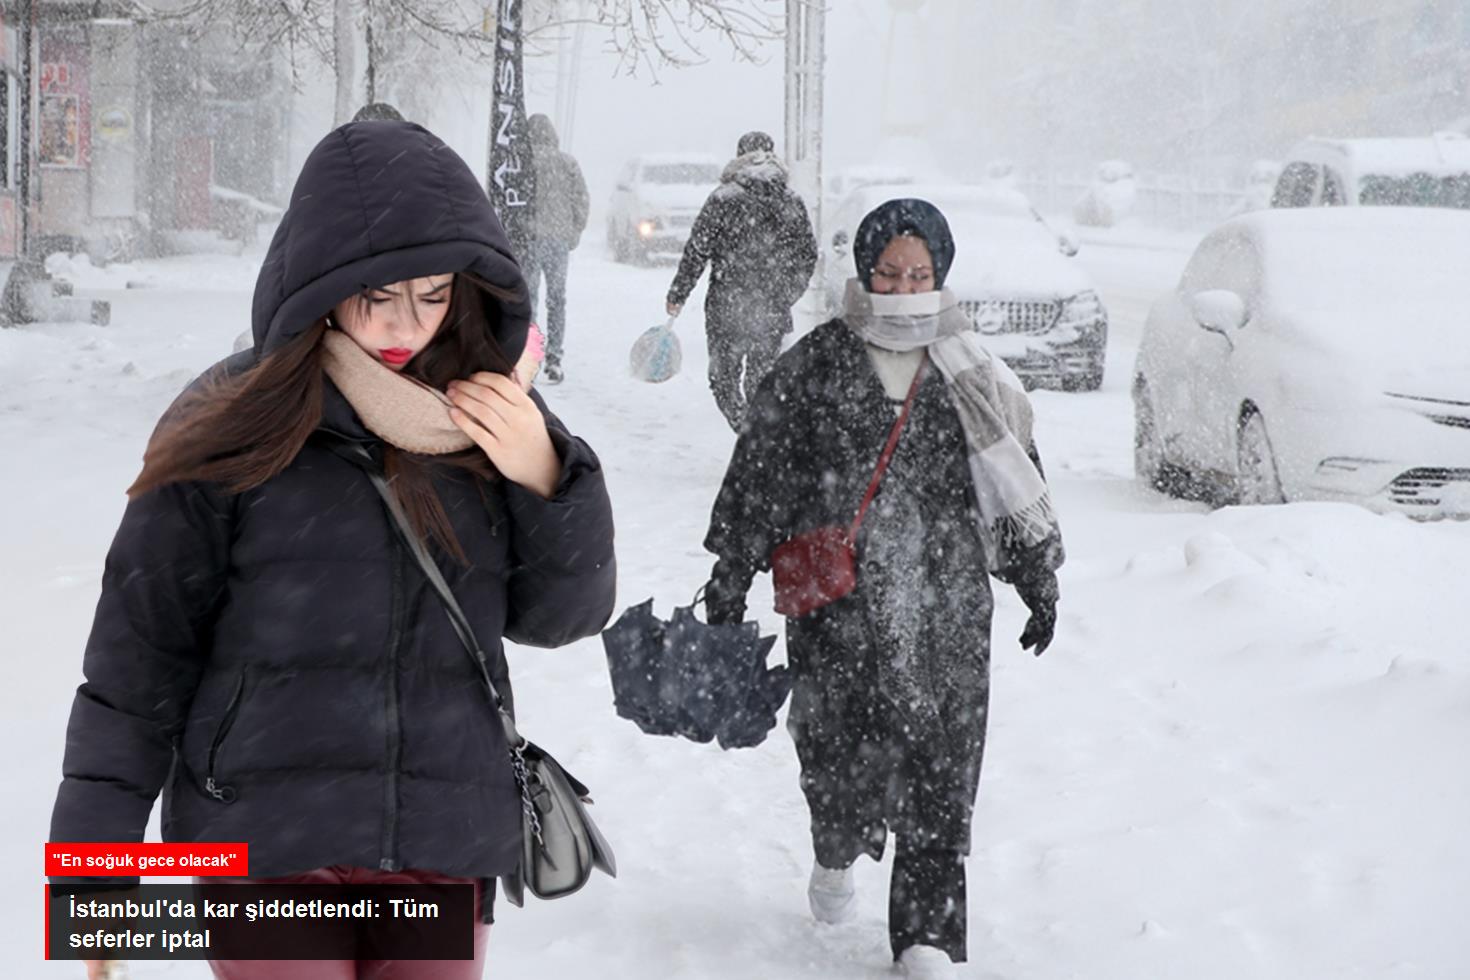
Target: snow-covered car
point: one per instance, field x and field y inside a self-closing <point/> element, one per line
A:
<point x="1314" y="354"/>
<point x="1260" y="186"/>
<point x="1109" y="198"/>
<point x="655" y="202"/>
<point x="837" y="187"/>
<point x="1036" y="307"/>
<point x="1432" y="171"/>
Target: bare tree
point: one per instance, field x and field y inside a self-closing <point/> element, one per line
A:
<point x="654" y="34"/>
<point x="648" y="34"/>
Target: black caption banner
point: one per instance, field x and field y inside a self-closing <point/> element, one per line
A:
<point x="208" y="921"/>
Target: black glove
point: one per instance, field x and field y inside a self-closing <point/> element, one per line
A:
<point x="723" y="606"/>
<point x="1042" y="601"/>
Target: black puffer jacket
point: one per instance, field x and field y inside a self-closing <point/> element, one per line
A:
<point x="754" y="234"/>
<point x="273" y="661"/>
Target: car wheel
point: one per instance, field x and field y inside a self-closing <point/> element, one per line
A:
<point x="1148" y="447"/>
<point x="1150" y="463"/>
<point x="1257" y="480"/>
<point x="625" y="246"/>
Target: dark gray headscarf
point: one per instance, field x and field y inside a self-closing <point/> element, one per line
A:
<point x="903" y="216"/>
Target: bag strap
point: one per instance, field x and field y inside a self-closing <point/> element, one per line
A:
<point x="887" y="455"/>
<point x="457" y="618"/>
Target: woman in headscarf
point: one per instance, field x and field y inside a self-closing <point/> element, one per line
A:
<point x="889" y="707"/>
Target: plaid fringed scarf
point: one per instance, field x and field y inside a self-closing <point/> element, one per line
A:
<point x="1015" y="506"/>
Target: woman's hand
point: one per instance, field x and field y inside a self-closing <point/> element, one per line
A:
<point x="504" y="422"/>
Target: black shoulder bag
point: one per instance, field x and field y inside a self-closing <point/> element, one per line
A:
<point x="560" y="845"/>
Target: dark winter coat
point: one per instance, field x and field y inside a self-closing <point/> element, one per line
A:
<point x="754" y="234"/>
<point x="915" y="634"/>
<point x="273" y="660"/>
<point x="561" y="192"/>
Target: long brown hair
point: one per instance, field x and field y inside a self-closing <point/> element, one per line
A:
<point x="242" y="430"/>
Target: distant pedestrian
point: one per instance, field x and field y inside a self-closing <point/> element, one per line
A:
<point x="560" y="218"/>
<point x="754" y="234"/>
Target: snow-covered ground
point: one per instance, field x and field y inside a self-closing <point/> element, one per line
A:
<point x="1237" y="760"/>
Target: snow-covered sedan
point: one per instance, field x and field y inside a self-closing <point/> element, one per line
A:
<point x="1314" y="354"/>
<point x="655" y="202"/>
<point x="1036" y="307"/>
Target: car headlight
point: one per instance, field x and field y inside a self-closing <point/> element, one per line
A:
<point x="647" y="227"/>
<point x="1084" y="308"/>
<point x="1084" y="315"/>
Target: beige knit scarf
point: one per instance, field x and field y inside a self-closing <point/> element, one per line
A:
<point x="402" y="411"/>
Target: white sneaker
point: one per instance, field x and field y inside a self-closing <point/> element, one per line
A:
<point x="926" y="963"/>
<point x="832" y="895"/>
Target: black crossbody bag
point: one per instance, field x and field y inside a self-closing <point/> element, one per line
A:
<point x="560" y="844"/>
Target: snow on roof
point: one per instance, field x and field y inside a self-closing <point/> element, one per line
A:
<point x="1407" y="264"/>
<point x="874" y="173"/>
<point x="1362" y="230"/>
<point x="968" y="198"/>
<point x="1395" y="157"/>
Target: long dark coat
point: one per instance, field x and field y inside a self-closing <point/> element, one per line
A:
<point x="892" y="681"/>
<point x="273" y="661"/>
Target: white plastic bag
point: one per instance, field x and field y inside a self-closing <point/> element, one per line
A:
<point x="656" y="355"/>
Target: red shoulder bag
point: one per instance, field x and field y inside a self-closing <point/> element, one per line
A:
<point x="818" y="567"/>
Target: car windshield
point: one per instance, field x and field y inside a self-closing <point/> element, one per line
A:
<point x="1419" y="190"/>
<point x="681" y="173"/>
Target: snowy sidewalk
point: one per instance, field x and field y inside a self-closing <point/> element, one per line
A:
<point x="1237" y="760"/>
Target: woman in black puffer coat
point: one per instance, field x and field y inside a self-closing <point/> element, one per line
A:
<point x="266" y="653"/>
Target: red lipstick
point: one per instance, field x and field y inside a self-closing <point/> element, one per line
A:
<point x="395" y="355"/>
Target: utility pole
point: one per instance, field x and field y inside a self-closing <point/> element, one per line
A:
<point x="568" y="72"/>
<point x="372" y="57"/>
<point x="805" y="25"/>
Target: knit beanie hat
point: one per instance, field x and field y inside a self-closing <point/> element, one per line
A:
<point x="755" y="140"/>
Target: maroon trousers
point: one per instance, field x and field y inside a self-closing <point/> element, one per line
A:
<point x="359" y="969"/>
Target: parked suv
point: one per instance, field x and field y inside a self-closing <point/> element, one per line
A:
<point x="1428" y="172"/>
<point x="655" y="202"/>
